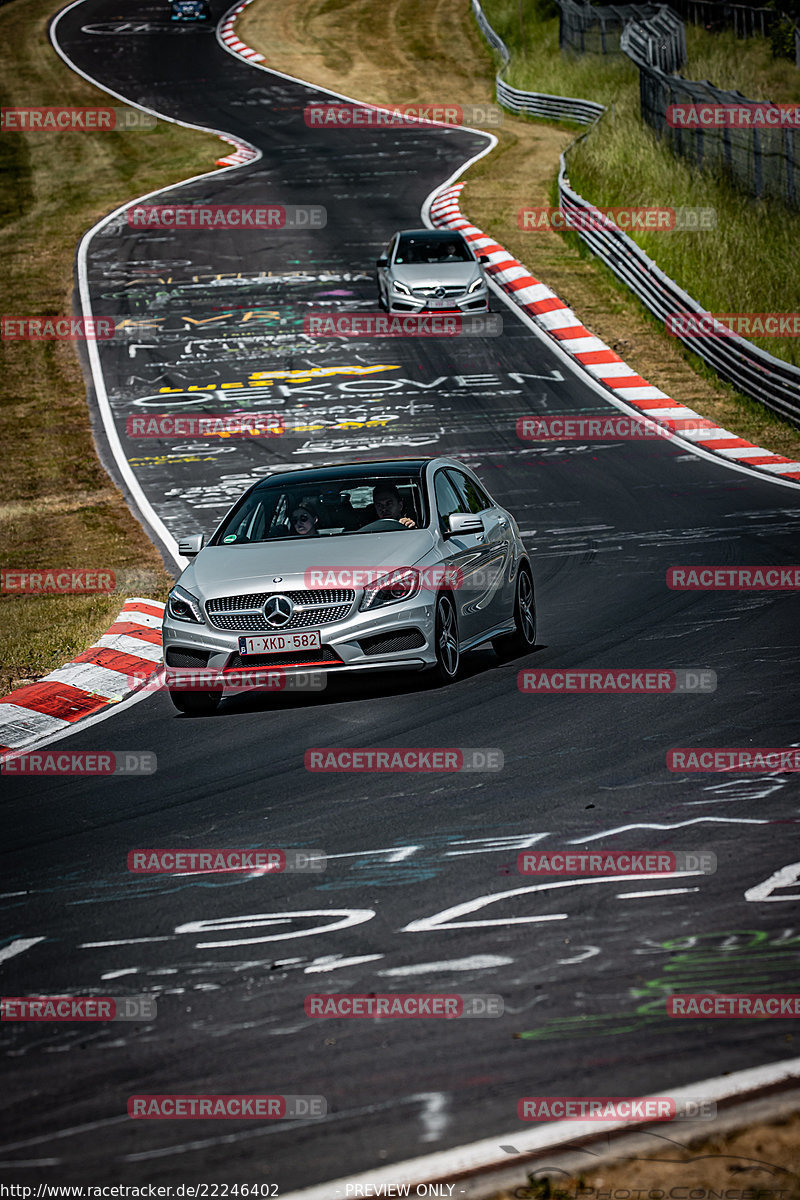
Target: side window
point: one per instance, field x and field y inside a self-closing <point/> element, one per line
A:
<point x="474" y="496"/>
<point x="448" y="500"/>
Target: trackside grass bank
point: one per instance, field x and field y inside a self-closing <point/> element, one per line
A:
<point x="747" y="264"/>
<point x="58" y="507"/>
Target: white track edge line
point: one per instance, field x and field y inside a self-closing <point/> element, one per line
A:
<point x="485" y="1155"/>
<point x="147" y="512"/>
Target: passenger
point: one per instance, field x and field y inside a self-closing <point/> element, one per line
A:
<point x="305" y="519"/>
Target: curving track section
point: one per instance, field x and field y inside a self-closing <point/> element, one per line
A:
<point x="420" y="892"/>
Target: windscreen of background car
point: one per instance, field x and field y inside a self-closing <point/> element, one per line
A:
<point x="344" y="507"/>
<point x="431" y="250"/>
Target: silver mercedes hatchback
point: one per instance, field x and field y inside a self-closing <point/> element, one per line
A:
<point x="425" y="270"/>
<point x="400" y="564"/>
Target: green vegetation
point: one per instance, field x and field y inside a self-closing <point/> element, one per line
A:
<point x="748" y="263"/>
<point x="58" y="507"/>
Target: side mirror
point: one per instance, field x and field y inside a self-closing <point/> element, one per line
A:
<point x="465" y="523"/>
<point x="483" y="258"/>
<point x="189" y="547"/>
<point x="383" y="261"/>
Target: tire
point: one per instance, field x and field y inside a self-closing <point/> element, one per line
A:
<point x="523" y="639"/>
<point x="448" y="655"/>
<point x="195" y="704"/>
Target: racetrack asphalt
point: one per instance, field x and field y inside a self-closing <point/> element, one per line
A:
<point x="584" y="969"/>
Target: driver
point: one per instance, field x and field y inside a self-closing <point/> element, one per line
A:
<point x="388" y="505"/>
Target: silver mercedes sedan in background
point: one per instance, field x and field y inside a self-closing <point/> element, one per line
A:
<point x="425" y="270"/>
<point x="399" y="564"/>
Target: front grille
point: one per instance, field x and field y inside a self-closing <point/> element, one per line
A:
<point x="176" y="657"/>
<point x="387" y="643"/>
<point x="458" y="290"/>
<point x="313" y="607"/>
<point x="325" y="655"/>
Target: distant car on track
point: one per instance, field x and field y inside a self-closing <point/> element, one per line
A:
<point x="305" y="573"/>
<point x="189" y="10"/>
<point x="424" y="270"/>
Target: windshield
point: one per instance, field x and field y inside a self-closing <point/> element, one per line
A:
<point x="329" y="508"/>
<point x="422" y="249"/>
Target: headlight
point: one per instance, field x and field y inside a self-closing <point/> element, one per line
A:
<point x="391" y="589"/>
<point x="473" y="287"/>
<point x="401" y="288"/>
<point x="184" y="606"/>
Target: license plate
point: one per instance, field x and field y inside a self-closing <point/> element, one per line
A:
<point x="279" y="643"/>
<point x="440" y="304"/>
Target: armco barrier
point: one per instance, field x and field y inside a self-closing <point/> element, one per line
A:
<point x="535" y="104"/>
<point x="599" y="29"/>
<point x="555" y="108"/>
<point x="658" y="41"/>
<point x="752" y="371"/>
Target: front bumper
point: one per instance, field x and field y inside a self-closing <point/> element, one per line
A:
<point x="477" y="302"/>
<point x="352" y="644"/>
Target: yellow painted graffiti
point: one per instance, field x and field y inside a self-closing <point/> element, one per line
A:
<point x="268" y="378"/>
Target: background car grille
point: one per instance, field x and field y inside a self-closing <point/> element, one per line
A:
<point x="321" y="607"/>
<point x="385" y="643"/>
<point x="456" y="290"/>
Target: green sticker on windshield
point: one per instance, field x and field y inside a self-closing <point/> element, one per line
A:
<point x="230" y="538"/>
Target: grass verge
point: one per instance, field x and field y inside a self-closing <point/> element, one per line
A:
<point x="58" y="508"/>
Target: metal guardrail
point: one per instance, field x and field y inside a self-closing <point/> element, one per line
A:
<point x="534" y="104"/>
<point x="598" y="29"/>
<point x="539" y="104"/>
<point x="658" y="41"/>
<point x="494" y="40"/>
<point x="752" y="371"/>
